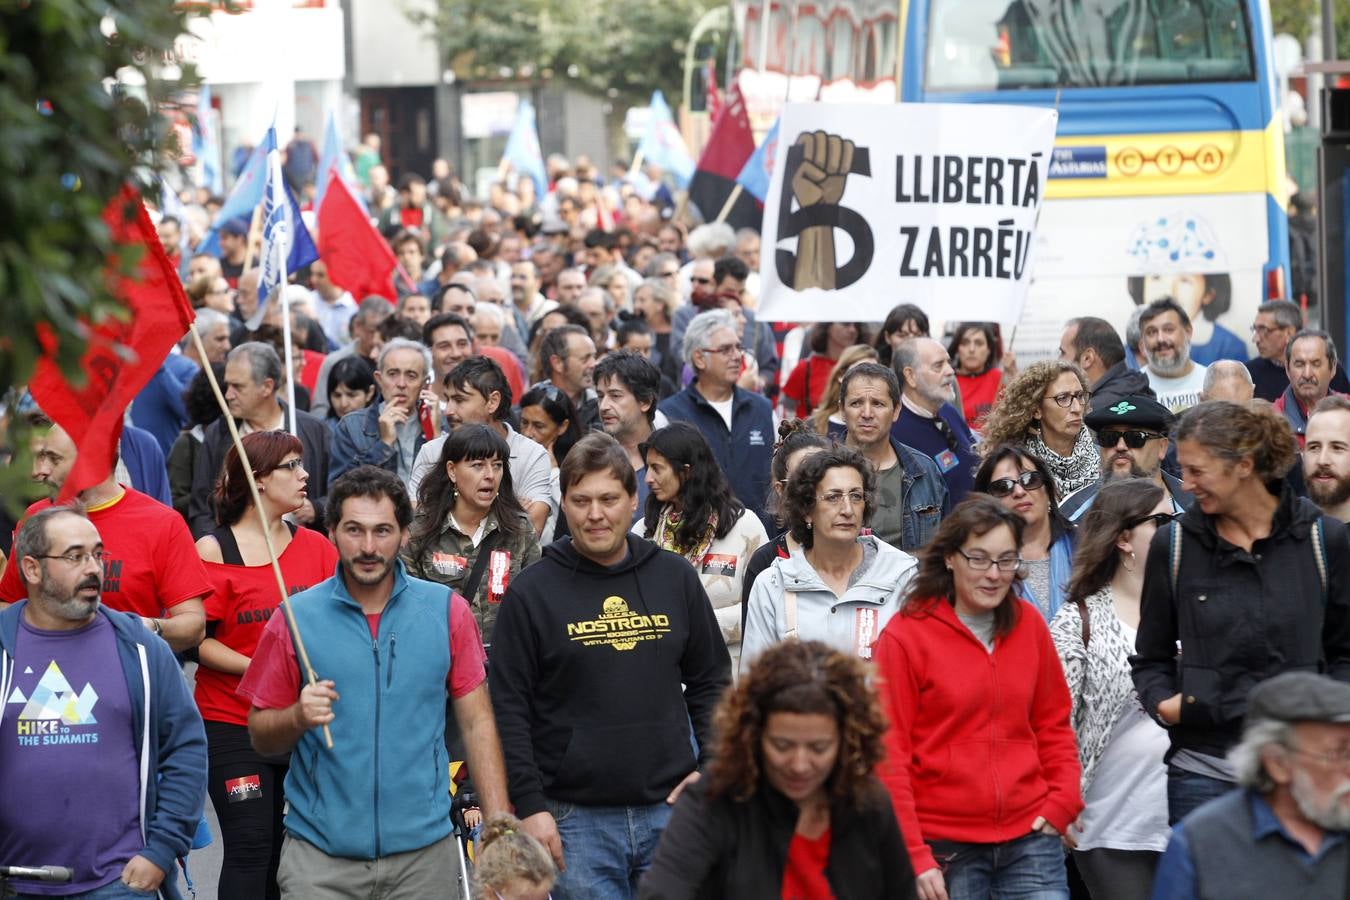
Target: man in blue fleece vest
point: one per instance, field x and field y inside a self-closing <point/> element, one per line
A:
<point x="589" y="652"/>
<point x="371" y="816"/>
<point x="102" y="752"/>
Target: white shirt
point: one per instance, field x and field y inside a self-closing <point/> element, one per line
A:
<point x="531" y="471"/>
<point x="1178" y="394"/>
<point x="723" y="408"/>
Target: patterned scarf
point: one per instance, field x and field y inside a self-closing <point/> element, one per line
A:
<point x="670" y="524"/>
<point x="1079" y="468"/>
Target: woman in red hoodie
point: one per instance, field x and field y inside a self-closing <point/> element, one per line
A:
<point x="980" y="758"/>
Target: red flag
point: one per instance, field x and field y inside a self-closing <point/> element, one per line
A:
<point x="122" y="353"/>
<point x="358" y="258"/>
<point x="714" y="96"/>
<point x="729" y="146"/>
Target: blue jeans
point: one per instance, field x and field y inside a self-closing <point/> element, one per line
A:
<point x="1027" y="868"/>
<point x="113" y="890"/>
<point x="1187" y="790"/>
<point x="606" y="848"/>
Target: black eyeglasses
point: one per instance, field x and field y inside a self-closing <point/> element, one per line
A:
<point x="1133" y="439"/>
<point x="291" y="464"/>
<point x="1161" y="520"/>
<point x="982" y="563"/>
<point x="947" y="434"/>
<point x="1068" y="397"/>
<point x="1003" y="487"/>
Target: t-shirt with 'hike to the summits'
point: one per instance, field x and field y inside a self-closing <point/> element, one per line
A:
<point x="69" y="778"/>
<point x="150" y="563"/>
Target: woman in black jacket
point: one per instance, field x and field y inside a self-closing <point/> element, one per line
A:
<point x="790" y="807"/>
<point x="1250" y="582"/>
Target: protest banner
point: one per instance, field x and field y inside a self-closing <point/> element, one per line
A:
<point x="934" y="204"/>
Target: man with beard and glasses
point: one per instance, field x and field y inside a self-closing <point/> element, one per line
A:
<point x="102" y="752"/>
<point x="1326" y="457"/>
<point x="1132" y="439"/>
<point x="1165" y="336"/>
<point x="1286" y="831"/>
<point x="389" y="649"/>
<point x="1310" y="360"/>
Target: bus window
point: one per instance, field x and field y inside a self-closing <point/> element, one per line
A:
<point x="977" y="45"/>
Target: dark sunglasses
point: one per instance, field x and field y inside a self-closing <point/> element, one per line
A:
<point x="1133" y="439"/>
<point x="1003" y="487"/>
<point x="1161" y="520"/>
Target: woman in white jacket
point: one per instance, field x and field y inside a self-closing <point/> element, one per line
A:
<point x="692" y="511"/>
<point x="839" y="585"/>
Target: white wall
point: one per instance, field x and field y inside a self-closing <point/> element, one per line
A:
<point x="388" y="50"/>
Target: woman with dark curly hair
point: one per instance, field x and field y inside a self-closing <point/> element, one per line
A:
<point x="839" y="585"/>
<point x="980" y="757"/>
<point x="1021" y="482"/>
<point x="790" y="806"/>
<point x="1042" y="411"/>
<point x="692" y="512"/>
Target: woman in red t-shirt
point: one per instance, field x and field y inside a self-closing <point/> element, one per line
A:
<point x="790" y="804"/>
<point x="976" y="350"/>
<point x="808" y="380"/>
<point x="246" y="787"/>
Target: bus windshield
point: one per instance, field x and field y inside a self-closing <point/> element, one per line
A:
<point x="985" y="45"/>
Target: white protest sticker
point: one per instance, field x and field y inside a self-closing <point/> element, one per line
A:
<point x="934" y="204"/>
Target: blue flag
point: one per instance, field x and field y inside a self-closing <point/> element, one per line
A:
<point x="522" y="148"/>
<point x="758" y="169"/>
<point x="286" y="244"/>
<point x="662" y="144"/>
<point x="205" y="146"/>
<point x="246" y="194"/>
<point x="334" y="156"/>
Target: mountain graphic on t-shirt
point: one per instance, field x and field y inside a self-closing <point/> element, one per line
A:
<point x="54" y="698"/>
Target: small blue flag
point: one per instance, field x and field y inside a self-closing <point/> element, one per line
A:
<point x="246" y="194"/>
<point x="205" y="146"/>
<point x="662" y="145"/>
<point x="522" y="148"/>
<point x="757" y="172"/>
<point x="286" y="244"/>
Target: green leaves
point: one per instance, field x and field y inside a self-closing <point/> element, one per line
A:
<point x="72" y="136"/>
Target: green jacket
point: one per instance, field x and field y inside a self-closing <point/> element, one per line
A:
<point x="448" y="558"/>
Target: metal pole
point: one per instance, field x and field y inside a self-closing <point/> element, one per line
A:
<point x="1328" y="31"/>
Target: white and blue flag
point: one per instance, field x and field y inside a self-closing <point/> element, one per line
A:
<point x="286" y="244"/>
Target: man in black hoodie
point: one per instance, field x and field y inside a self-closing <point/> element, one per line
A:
<point x="1095" y="347"/>
<point x="590" y="650"/>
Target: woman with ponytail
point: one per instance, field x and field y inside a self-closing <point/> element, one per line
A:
<point x="1250" y="582"/>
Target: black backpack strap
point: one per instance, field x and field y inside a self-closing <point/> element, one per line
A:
<point x="1083" y="614"/>
<point x="229" y="547"/>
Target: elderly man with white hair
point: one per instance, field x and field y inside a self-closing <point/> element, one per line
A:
<point x="1228" y="380"/>
<point x="389" y="433"/>
<point x="1286" y="831"/>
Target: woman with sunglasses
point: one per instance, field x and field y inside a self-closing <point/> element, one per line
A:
<point x="1041" y="410"/>
<point x="1021" y="482"/>
<point x="1123" y="829"/>
<point x="980" y="756"/>
<point x="245" y="596"/>
<point x="839" y="585"/>
<point x="1251" y="581"/>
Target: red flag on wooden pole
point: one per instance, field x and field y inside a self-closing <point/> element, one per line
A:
<point x="358" y="258"/>
<point x="123" y="350"/>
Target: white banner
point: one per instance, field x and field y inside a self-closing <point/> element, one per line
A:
<point x="934" y="204"/>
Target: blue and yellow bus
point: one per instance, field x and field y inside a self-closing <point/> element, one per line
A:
<point x="1168" y="175"/>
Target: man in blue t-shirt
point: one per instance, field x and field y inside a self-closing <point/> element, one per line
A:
<point x="928" y="421"/>
<point x="76" y="743"/>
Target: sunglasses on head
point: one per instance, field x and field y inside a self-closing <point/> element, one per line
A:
<point x="1133" y="439"/>
<point x="1003" y="487"/>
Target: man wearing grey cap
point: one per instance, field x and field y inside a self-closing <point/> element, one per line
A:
<point x="1132" y="439"/>
<point x="1286" y="831"/>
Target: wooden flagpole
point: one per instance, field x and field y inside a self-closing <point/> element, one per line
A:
<point x="300" y="652"/>
<point x="731" y="201"/>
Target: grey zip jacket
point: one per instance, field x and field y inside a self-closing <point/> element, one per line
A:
<point x="850" y="623"/>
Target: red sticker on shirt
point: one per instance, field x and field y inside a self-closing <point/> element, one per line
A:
<point x="448" y="564"/>
<point x="247" y="787"/>
<point x="864" y="631"/>
<point x="719" y="564"/>
<point x="499" y="574"/>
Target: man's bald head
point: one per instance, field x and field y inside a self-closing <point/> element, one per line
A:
<point x="1228" y="380"/>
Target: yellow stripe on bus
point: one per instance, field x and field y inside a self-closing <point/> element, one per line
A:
<point x="1201" y="162"/>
